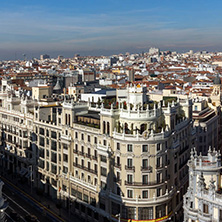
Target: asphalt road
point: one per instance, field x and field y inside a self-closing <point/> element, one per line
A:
<point x="24" y="204"/>
<point x="19" y="205"/>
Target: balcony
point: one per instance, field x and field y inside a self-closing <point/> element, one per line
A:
<point x="146" y="169"/>
<point x="150" y="183"/>
<point x="118" y="166"/>
<point x="85" y="168"/>
<point x="88" y="155"/>
<point x="130" y="168"/>
<point x="94" y="157"/>
<point x="160" y="166"/>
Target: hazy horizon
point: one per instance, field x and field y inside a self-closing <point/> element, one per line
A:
<point x="107" y="27"/>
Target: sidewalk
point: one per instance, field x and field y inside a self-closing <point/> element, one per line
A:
<point x="61" y="214"/>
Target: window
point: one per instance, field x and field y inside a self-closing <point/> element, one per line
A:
<point x="54" y="157"/>
<point x="145" y="179"/>
<point x="158" y="162"/>
<point x="145" y="213"/>
<point x="53" y="135"/>
<point x="95" y="153"/>
<point x="145" y="163"/>
<point x="76" y="135"/>
<point x="65" y="158"/>
<point x="41" y="141"/>
<point x="89" y="139"/>
<point x="95" y="140"/>
<point x="104" y="142"/>
<point x="103" y="158"/>
<point x="129" y="163"/>
<point x="158" y="175"/>
<point x="145" y="148"/>
<point x="205" y="209"/>
<point x="103" y="185"/>
<point x="65" y="169"/>
<point x="129" y="147"/>
<point x="129" y="193"/>
<point x="41" y="131"/>
<point x="85" y="198"/>
<point x="118" y="146"/>
<point x="53" y="145"/>
<point x="95" y="167"/>
<point x="89" y="151"/>
<point x="158" y="192"/>
<point x="118" y="160"/>
<point x="145" y="194"/>
<point x="103" y="171"/>
<point x="129" y="178"/>
<point x="64" y="187"/>
<point x="158" y="147"/>
<point x="82" y="136"/>
<point x="195" y="108"/>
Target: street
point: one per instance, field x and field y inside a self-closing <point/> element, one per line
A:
<point x="25" y="204"/>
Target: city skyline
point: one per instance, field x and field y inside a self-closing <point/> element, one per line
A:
<point x="99" y="27"/>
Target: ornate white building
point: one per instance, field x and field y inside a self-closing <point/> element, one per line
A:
<point x="203" y="200"/>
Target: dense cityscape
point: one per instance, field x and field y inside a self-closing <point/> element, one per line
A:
<point x="127" y="137"/>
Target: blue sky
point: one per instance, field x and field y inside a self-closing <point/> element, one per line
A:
<point x="92" y="27"/>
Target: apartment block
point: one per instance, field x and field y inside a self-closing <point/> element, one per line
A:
<point x="102" y="161"/>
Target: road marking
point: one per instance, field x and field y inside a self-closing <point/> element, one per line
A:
<point x="9" y="217"/>
<point x="17" y="204"/>
<point x="15" y="211"/>
<point x="34" y="200"/>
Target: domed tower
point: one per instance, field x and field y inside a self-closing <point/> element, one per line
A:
<point x="57" y="88"/>
<point x="216" y="93"/>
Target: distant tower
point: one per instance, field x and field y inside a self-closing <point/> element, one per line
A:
<point x="3" y="204"/>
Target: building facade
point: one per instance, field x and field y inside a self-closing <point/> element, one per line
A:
<point x="203" y="200"/>
<point x="102" y="161"/>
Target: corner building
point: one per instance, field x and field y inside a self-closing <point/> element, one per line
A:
<point x="102" y="161"/>
<point x="122" y="159"/>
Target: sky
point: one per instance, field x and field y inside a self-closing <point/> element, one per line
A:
<point x="95" y="27"/>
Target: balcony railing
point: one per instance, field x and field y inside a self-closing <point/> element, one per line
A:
<point x="85" y="168"/>
<point x="118" y="166"/>
<point x="131" y="168"/>
<point x="150" y="183"/>
<point x="146" y="168"/>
